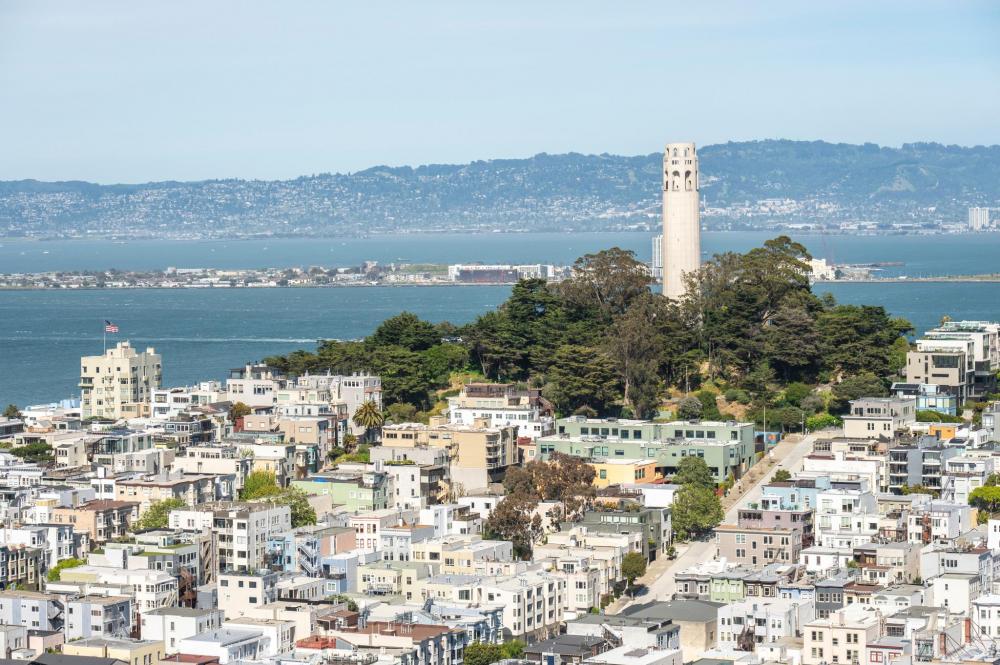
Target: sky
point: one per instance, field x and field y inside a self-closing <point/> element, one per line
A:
<point x="188" y="90"/>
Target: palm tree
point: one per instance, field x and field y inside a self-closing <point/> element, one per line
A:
<point x="370" y="417"/>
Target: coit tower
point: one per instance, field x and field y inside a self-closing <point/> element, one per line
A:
<point x="681" y="223"/>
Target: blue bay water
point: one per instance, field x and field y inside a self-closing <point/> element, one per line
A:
<point x="201" y="333"/>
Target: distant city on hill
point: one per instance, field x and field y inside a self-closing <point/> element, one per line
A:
<point x="759" y="184"/>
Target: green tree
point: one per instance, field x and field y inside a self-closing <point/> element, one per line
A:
<point x="860" y="339"/>
<point x="11" y="411"/>
<point x="695" y="510"/>
<point x="865" y="384"/>
<point x="607" y="282"/>
<point x="633" y="567"/>
<point x="822" y="421"/>
<point x="694" y="471"/>
<point x="369" y="416"/>
<point x="482" y="653"/>
<point x="510" y="521"/>
<point x="780" y="476"/>
<point x="303" y="514"/>
<point x="239" y="410"/>
<point x="985" y="498"/>
<point x="795" y="393"/>
<point x="690" y="408"/>
<point x="406" y="330"/>
<point x="927" y="416"/>
<point x="259" y="485"/>
<point x="792" y="343"/>
<point x="55" y="572"/>
<point x="157" y="516"/>
<point x="632" y="343"/>
<point x="400" y="412"/>
<point x="581" y="376"/>
<point x="36" y="452"/>
<point x="709" y="405"/>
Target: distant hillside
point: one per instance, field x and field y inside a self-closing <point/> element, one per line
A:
<point x="743" y="184"/>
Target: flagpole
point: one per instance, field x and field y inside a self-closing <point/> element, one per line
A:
<point x="105" y="351"/>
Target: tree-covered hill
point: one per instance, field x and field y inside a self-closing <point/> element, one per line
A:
<point x="819" y="182"/>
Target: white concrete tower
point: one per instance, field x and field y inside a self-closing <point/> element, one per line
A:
<point x="681" y="217"/>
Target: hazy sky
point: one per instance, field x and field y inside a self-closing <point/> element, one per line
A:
<point x="135" y="91"/>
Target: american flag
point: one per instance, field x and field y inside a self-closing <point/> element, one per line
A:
<point x="110" y="327"/>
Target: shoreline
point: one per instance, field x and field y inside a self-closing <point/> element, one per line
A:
<point x="958" y="279"/>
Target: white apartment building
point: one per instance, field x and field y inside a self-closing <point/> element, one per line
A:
<point x="168" y="402"/>
<point x="113" y="384"/>
<point x="745" y="624"/>
<point x="842" y="637"/>
<point x="351" y="390"/>
<point x="962" y="475"/>
<point x="254" y="385"/>
<point x="937" y="521"/>
<point x="986" y="616"/>
<point x="873" y="417"/>
<point x="227" y="645"/>
<point x="845" y="518"/>
<point x="368" y="525"/>
<point x="979" y="219"/>
<point x="501" y="405"/>
<point x="956" y="591"/>
<point x="239" y="591"/>
<point x="170" y="625"/>
<point x="280" y="634"/>
<point x="241" y="529"/>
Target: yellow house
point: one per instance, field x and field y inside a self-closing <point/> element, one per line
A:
<point x="624" y="471"/>
<point x="133" y="652"/>
<point x="943" y="431"/>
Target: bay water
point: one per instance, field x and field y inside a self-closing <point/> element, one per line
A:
<point x="202" y="333"/>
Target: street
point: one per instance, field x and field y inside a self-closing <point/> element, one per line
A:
<point x="659" y="578"/>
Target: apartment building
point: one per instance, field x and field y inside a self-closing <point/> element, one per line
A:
<point x="98" y="616"/>
<point x="117" y="648"/>
<point x="224" y="460"/>
<point x="351" y="390"/>
<point x="240" y="530"/>
<point x="929" y="396"/>
<point x="937" y="520"/>
<point x="239" y="591"/>
<point x="255" y="385"/>
<point x="758" y="546"/>
<point x="887" y="563"/>
<point x="963" y="474"/>
<point x="368" y="525"/>
<point x="875" y="417"/>
<point x="56" y="541"/>
<point x="477" y="455"/>
<point x="170" y="625"/>
<point x="920" y="462"/>
<point x="21" y="566"/>
<point x="192" y="489"/>
<point x="962" y="357"/>
<point x="727" y="447"/>
<point x="842" y="638"/>
<point x="102" y="519"/>
<point x="502" y="405"/>
<point x="37" y="611"/>
<point x="845" y="518"/>
<point x="113" y="384"/>
<point x="170" y="402"/>
<point x="150" y="589"/>
<point x="355" y="489"/>
<point x="459" y="555"/>
<point x="748" y="624"/>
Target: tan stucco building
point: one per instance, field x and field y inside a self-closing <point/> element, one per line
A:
<point x="113" y="384"/>
<point x="478" y="455"/>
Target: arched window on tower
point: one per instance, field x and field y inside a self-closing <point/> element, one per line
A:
<point x="675" y="152"/>
<point x="688" y="182"/>
<point x="676" y="181"/>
